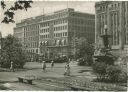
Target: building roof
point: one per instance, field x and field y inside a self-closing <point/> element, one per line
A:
<point x="56" y="12"/>
<point x="102" y="2"/>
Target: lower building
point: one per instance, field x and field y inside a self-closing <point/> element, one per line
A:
<point x="51" y="35"/>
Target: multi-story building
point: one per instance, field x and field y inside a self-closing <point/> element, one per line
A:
<point x="114" y="14"/>
<point x="27" y="31"/>
<point x="19" y="33"/>
<point x="55" y="32"/>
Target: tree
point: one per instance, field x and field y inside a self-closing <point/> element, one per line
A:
<point x="85" y="51"/>
<point x="10" y="12"/>
<point x="12" y="51"/>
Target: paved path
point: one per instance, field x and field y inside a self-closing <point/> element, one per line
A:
<point x="34" y="68"/>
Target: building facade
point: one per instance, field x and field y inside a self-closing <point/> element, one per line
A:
<point x="27" y="31"/>
<point x="114" y="14"/>
<point x="52" y="34"/>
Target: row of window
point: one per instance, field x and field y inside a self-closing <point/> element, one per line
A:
<point x="113" y="6"/>
<point x="60" y="28"/>
<point x="64" y="34"/>
<point x="116" y="5"/>
<point x="31" y="33"/>
<point x="35" y="38"/>
<point x="32" y="45"/>
<point x="32" y="27"/>
<point x="82" y="15"/>
<point x="58" y="15"/>
<point x="45" y="36"/>
<point x="44" y="30"/>
<point x="18" y="30"/>
<point x="18" y="35"/>
<point x="82" y="22"/>
<point x="55" y="29"/>
<point x="33" y="51"/>
<point x="56" y="22"/>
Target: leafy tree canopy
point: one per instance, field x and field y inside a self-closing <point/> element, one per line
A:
<point x="10" y="12"/>
<point x="85" y="52"/>
<point x="84" y="48"/>
<point x="12" y="51"/>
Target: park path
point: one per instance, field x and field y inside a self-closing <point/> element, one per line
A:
<point x="34" y="68"/>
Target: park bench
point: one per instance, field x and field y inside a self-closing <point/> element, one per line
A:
<point x="26" y="79"/>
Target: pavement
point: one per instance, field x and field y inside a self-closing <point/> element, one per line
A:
<point x="34" y="68"/>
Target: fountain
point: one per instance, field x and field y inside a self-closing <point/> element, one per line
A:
<point x="103" y="54"/>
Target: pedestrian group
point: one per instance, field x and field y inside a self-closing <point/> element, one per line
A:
<point x="66" y="72"/>
<point x="67" y="67"/>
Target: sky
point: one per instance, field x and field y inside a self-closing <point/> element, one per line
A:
<point x="40" y="7"/>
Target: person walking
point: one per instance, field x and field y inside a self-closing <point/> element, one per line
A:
<point x="12" y="66"/>
<point x="44" y="66"/>
<point x="52" y="64"/>
<point x="67" y="69"/>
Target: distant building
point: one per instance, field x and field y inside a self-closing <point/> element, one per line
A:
<point x="52" y="34"/>
<point x="114" y="14"/>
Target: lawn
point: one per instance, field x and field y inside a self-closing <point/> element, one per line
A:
<point x="80" y="75"/>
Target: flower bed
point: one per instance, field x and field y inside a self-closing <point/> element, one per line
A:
<point x="83" y="82"/>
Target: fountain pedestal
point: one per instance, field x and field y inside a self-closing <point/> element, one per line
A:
<point x="102" y="53"/>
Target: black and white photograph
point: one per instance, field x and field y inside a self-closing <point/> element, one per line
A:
<point x="63" y="45"/>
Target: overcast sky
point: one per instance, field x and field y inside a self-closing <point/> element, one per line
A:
<point x="48" y="6"/>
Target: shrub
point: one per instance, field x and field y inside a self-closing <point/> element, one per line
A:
<point x="122" y="77"/>
<point x="61" y="59"/>
<point x="86" y="60"/>
<point x="57" y="60"/>
<point x="100" y="69"/>
<point x="113" y="73"/>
